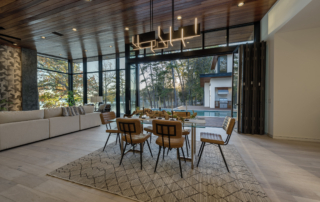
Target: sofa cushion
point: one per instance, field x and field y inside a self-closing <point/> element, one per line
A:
<point x="18" y="116"/>
<point x="64" y="124"/>
<point x="76" y="110"/>
<point x="90" y="120"/>
<point x="81" y="110"/>
<point x="19" y="133"/>
<point x="88" y="109"/>
<point x="54" y="112"/>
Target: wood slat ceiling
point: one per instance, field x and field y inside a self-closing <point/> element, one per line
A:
<point x="100" y="23"/>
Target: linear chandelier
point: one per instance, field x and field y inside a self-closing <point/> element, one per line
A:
<point x="149" y="40"/>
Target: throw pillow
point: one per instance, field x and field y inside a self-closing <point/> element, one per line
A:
<point x="81" y="110"/>
<point x="65" y="111"/>
<point x="71" y="111"/>
<point x="76" y="110"/>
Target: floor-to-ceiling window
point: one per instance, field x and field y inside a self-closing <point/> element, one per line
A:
<point x="122" y="86"/>
<point x="78" y="81"/>
<point x="133" y="90"/>
<point x="52" y="82"/>
<point x="92" y="78"/>
<point x="109" y="79"/>
<point x="173" y="83"/>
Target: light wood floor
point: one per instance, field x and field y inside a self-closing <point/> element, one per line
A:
<point x="287" y="170"/>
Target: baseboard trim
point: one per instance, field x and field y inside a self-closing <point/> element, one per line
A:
<point x="295" y="138"/>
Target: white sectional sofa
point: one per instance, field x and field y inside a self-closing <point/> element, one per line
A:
<point x="22" y="127"/>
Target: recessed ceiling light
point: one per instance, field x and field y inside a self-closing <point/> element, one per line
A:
<point x="60" y="54"/>
<point x="85" y="50"/>
<point x="15" y="44"/>
<point x="240" y="4"/>
<point x="74" y="29"/>
<point x="43" y="37"/>
<point x="179" y="17"/>
<point x="188" y="42"/>
<point x="127" y="28"/>
<point x="110" y="46"/>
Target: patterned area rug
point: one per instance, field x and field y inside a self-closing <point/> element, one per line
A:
<point x="207" y="183"/>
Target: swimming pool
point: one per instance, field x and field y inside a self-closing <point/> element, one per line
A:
<point x="208" y="113"/>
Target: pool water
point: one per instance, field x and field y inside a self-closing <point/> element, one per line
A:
<point x="204" y="113"/>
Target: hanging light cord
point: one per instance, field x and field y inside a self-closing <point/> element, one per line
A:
<point x="172" y="15"/>
<point x="151" y="15"/>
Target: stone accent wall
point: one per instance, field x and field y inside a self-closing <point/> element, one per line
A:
<point x="10" y="77"/>
<point x="30" y="95"/>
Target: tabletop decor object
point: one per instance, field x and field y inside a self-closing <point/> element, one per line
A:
<point x="95" y="99"/>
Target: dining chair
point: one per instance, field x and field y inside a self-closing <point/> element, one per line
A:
<point x="105" y="120"/>
<point x="212" y="138"/>
<point x="132" y="135"/>
<point x="170" y="136"/>
<point x="149" y="130"/>
<point x="182" y="114"/>
<point x="185" y="133"/>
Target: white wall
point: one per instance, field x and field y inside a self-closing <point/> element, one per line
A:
<point x="206" y="94"/>
<point x="291" y="29"/>
<point x="296" y="85"/>
<point x="218" y="82"/>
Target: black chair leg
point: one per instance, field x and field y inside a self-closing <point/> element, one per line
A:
<point x="123" y="153"/>
<point x="106" y="142"/>
<point x="168" y="152"/>
<point x="155" y="169"/>
<point x="149" y="148"/>
<point x="134" y="153"/>
<point x="179" y="162"/>
<point x="223" y="158"/>
<point x="183" y="155"/>
<point x="117" y="139"/>
<point x="150" y="137"/>
<point x="164" y="149"/>
<point x="202" y="145"/>
<point x="186" y="145"/>
<point x="188" y="141"/>
<point x="141" y="155"/>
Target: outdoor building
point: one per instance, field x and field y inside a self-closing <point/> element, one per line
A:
<point x="218" y="85"/>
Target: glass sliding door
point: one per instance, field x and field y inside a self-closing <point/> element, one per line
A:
<point x="109" y="89"/>
<point x="93" y="86"/>
<point x="109" y="81"/>
<point x="92" y="78"/>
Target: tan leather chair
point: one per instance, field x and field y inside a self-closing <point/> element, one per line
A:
<point x="186" y="133"/>
<point x="212" y="138"/>
<point x="105" y="120"/>
<point x="182" y="114"/>
<point x="170" y="136"/>
<point x="132" y="135"/>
